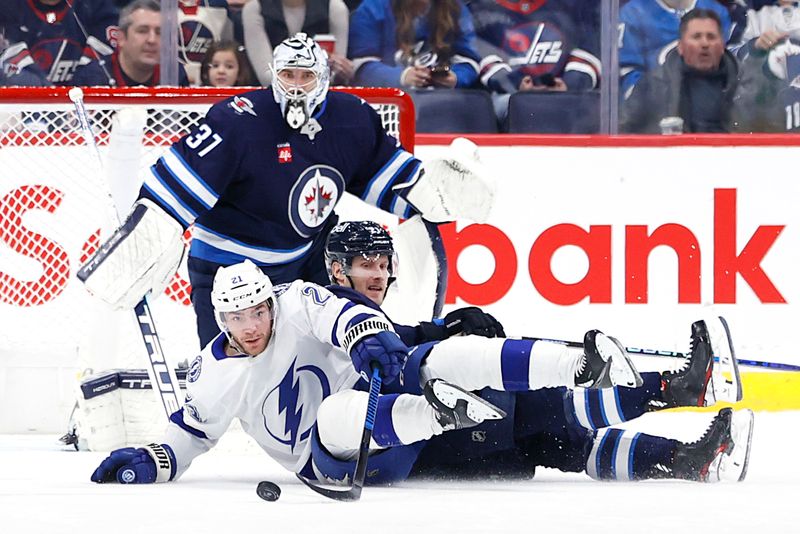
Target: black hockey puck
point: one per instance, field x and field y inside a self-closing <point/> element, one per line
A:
<point x="269" y="491"/>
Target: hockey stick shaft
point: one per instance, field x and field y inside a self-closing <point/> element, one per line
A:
<point x="162" y="376"/>
<point x="673" y="354"/>
<point x="354" y="493"/>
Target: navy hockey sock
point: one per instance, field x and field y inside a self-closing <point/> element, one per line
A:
<point x="598" y="408"/>
<point x="626" y="455"/>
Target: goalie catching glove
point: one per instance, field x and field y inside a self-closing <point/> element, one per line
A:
<point x="454" y="187"/>
<point x="139" y="258"/>
<point x="145" y="465"/>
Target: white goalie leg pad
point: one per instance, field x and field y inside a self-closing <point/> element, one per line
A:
<point x="139" y="258"/>
<point x="454" y="187"/>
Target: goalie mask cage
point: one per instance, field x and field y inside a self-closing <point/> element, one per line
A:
<point x="55" y="211"/>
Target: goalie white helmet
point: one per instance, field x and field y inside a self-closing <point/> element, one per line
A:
<point x="239" y="288"/>
<point x="298" y="93"/>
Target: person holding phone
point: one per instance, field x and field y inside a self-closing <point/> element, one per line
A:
<point x="413" y="44"/>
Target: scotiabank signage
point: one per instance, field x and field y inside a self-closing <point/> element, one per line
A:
<point x="730" y="259"/>
<point x="639" y="242"/>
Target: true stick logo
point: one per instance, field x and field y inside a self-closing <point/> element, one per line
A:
<point x="161" y="377"/>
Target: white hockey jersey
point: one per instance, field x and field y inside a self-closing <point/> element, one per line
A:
<point x="276" y="394"/>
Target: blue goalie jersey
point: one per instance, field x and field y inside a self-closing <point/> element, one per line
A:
<point x="255" y="188"/>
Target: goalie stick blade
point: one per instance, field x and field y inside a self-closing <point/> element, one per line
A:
<point x="352" y="494"/>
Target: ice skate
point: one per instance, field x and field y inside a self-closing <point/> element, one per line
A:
<point x="710" y="373"/>
<point x="605" y="364"/>
<point x="456" y="408"/>
<point x="722" y="453"/>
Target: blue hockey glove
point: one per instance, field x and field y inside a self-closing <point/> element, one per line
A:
<point x="145" y="465"/>
<point x="384" y="348"/>
<point x="472" y="321"/>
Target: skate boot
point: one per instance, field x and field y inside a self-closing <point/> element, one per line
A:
<point x="456" y="408"/>
<point x="711" y="372"/>
<point x="688" y="386"/>
<point x="605" y="364"/>
<point x="723" y="452"/>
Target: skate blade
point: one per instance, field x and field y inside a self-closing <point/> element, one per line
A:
<point x="726" y="382"/>
<point x="478" y="409"/>
<point x="622" y="372"/>
<point x="733" y="468"/>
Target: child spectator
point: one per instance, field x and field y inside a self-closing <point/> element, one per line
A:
<point x="225" y="65"/>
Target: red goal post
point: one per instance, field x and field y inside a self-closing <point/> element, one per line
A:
<point x="53" y="216"/>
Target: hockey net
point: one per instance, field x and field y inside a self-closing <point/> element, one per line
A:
<point x="55" y="211"/>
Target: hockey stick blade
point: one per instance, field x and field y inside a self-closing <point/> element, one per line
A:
<point x="354" y="492"/>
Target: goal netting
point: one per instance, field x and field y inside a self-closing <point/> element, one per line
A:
<point x="54" y="213"/>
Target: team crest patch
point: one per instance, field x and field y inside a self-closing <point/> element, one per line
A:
<point x="193" y="412"/>
<point x="313" y="198"/>
<point x="241" y="105"/>
<point x="194" y="369"/>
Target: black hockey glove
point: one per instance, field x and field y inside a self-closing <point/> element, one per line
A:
<point x="472" y="321"/>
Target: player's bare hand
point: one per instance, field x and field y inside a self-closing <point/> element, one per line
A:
<point x="416" y="77"/>
<point x="769" y="39"/>
<point x="447" y="80"/>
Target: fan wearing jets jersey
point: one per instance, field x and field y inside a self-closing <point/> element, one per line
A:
<point x="288" y="358"/>
<point x="259" y="179"/>
<point x="552" y="427"/>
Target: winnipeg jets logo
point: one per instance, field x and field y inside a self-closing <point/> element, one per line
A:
<point x="242" y="105"/>
<point x="283" y="410"/>
<point x="313" y="198"/>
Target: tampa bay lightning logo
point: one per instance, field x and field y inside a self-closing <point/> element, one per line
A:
<point x="194" y="369"/>
<point x="284" y="400"/>
<point x="313" y="197"/>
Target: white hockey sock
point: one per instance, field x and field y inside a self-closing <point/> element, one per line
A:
<point x="474" y="363"/>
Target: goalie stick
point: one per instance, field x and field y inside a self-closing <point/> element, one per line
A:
<point x="354" y="492"/>
<point x="162" y="376"/>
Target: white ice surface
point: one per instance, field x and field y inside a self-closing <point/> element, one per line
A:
<point x="45" y="488"/>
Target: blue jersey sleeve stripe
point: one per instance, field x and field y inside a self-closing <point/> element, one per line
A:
<point x="399" y="206"/>
<point x="385" y="177"/>
<point x="188" y="179"/>
<point x="177" y="418"/>
<point x="360" y="318"/>
<point x="334" y="337"/>
<point x="395" y="179"/>
<point x="168" y="202"/>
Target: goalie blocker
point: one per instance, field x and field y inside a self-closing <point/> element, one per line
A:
<point x="139" y="258"/>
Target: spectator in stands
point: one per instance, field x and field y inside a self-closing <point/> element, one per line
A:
<point x="550" y="45"/>
<point x="769" y="56"/>
<point x="413" y="44"/>
<point x="16" y="64"/>
<point x="694" y="86"/>
<point x="268" y="22"/>
<point x="59" y="35"/>
<point x="225" y="65"/>
<point x="649" y="30"/>
<point x="202" y="22"/>
<point x="136" y="58"/>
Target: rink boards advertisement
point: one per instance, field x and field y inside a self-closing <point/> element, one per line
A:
<point x="638" y="241"/>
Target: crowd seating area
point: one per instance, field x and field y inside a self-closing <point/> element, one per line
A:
<point x="471" y="66"/>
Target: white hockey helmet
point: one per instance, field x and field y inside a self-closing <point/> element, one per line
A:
<point x="238" y="287"/>
<point x="298" y="103"/>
